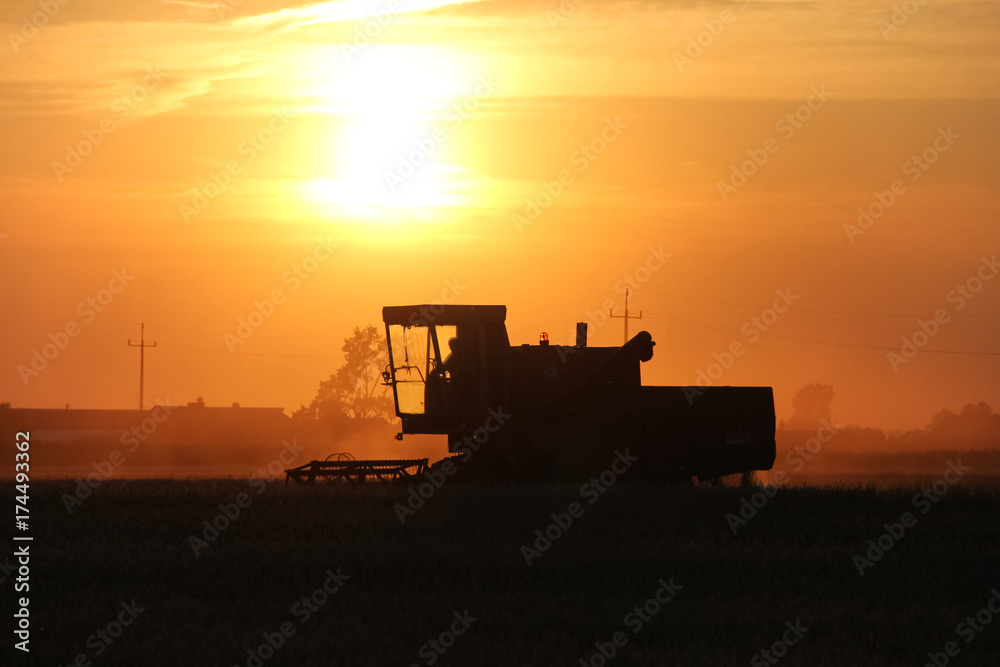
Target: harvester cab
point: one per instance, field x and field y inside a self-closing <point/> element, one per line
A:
<point x="448" y="365"/>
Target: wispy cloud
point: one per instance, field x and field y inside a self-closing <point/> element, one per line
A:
<point x="344" y="10"/>
<point x="247" y="63"/>
<point x="196" y="5"/>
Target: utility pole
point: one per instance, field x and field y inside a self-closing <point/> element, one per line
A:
<point x="626" y="316"/>
<point x="142" y="359"/>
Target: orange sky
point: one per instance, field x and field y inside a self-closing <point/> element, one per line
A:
<point x="352" y="155"/>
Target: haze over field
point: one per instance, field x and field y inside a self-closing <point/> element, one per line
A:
<point x="253" y="180"/>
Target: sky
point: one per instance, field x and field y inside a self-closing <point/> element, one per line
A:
<point x="792" y="192"/>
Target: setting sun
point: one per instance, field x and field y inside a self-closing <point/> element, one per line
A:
<point x="386" y="152"/>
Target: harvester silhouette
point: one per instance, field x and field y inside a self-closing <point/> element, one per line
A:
<point x="552" y="412"/>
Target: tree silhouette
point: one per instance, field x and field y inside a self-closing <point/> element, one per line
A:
<point x="977" y="411"/>
<point x="975" y="426"/>
<point x="810" y="405"/>
<point x="355" y="391"/>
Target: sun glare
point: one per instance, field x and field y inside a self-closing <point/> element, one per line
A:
<point x="385" y="157"/>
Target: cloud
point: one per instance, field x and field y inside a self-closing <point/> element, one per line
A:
<point x="247" y="63"/>
<point x="344" y="10"/>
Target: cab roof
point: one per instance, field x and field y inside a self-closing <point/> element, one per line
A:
<point x="436" y="313"/>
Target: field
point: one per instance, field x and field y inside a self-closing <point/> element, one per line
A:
<point x="118" y="582"/>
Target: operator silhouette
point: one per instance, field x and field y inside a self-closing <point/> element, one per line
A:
<point x="459" y="383"/>
<point x="453" y="362"/>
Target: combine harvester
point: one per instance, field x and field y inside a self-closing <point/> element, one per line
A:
<point x="552" y="412"/>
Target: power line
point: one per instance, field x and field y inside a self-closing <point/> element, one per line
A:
<point x="222" y="333"/>
<point x="559" y="305"/>
<point x="796" y="309"/>
<point x="85" y="357"/>
<point x="248" y="354"/>
<point x="818" y="341"/>
<point x="83" y="340"/>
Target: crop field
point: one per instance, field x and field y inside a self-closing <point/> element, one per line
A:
<point x="238" y="572"/>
